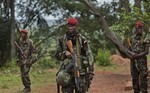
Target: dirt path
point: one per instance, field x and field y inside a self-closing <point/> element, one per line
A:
<point x="104" y="82"/>
<point x="109" y="83"/>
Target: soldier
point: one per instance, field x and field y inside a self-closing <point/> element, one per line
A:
<point x="65" y="76"/>
<point x="139" y="48"/>
<point x="25" y="49"/>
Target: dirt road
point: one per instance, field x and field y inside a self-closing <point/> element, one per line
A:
<point x="104" y="82"/>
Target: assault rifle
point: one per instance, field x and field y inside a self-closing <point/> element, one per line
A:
<point x="132" y="50"/>
<point x="21" y="51"/>
<point x="76" y="68"/>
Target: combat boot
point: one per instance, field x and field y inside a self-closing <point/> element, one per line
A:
<point x="136" y="92"/>
<point x="26" y="89"/>
<point x="144" y="92"/>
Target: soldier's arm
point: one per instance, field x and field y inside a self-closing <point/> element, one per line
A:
<point x="146" y="44"/>
<point x="33" y="52"/>
<point x="91" y="62"/>
<point x="17" y="53"/>
<point x="90" y="58"/>
<point x="89" y="55"/>
<point x="60" y="54"/>
<point x="130" y="48"/>
<point x="32" y="46"/>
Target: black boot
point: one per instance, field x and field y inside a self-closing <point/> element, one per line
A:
<point x="26" y="89"/>
<point x="144" y="92"/>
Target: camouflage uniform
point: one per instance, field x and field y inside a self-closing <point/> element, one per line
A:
<point x="139" y="65"/>
<point x="25" y="63"/>
<point x="86" y="62"/>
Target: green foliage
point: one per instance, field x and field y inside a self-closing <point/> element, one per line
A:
<point x="88" y="25"/>
<point x="127" y="20"/>
<point x="148" y="56"/>
<point x="9" y="67"/>
<point x="36" y="11"/>
<point x="47" y="62"/>
<point x="103" y="57"/>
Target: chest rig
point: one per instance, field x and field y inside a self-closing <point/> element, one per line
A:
<point x="138" y="46"/>
<point x="25" y="46"/>
<point x="77" y="44"/>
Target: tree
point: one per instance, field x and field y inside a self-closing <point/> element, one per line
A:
<point x="124" y="5"/>
<point x="114" y="19"/>
<point x="107" y="32"/>
<point x="138" y="3"/>
<point x="12" y="31"/>
<point x="7" y="34"/>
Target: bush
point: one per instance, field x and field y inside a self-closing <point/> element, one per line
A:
<point x="9" y="67"/>
<point x="103" y="57"/>
<point x="47" y="62"/>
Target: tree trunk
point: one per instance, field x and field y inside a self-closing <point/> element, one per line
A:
<point x="12" y="29"/>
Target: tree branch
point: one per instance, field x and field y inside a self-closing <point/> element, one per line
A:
<point x="40" y="42"/>
<point x="107" y="32"/>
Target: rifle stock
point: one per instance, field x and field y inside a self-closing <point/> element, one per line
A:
<point x="129" y="42"/>
<point x="132" y="50"/>
<point x="70" y="46"/>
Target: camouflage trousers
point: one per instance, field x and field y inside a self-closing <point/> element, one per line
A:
<point x="25" y="75"/>
<point x="139" y="75"/>
<point x="68" y="89"/>
<point x="71" y="89"/>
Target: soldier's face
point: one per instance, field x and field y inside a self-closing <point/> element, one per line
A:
<point x="23" y="35"/>
<point x="139" y="30"/>
<point x="71" y="28"/>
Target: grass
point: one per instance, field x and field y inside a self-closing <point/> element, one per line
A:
<point x="10" y="78"/>
<point x="112" y="68"/>
<point x="148" y="56"/>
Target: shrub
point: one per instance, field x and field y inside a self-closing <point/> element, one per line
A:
<point x="103" y="57"/>
<point x="47" y="62"/>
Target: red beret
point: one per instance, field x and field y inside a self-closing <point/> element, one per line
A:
<point x="72" y="21"/>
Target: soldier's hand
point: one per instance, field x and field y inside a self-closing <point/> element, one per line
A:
<point x="91" y="75"/>
<point x="29" y="64"/>
<point x="68" y="54"/>
<point x="134" y="55"/>
<point x="19" y="63"/>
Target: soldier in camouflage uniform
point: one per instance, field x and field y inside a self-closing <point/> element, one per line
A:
<point x="65" y="76"/>
<point x="26" y="59"/>
<point x="139" y="48"/>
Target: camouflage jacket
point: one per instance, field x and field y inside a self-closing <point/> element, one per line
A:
<point x="139" y="45"/>
<point x="27" y="48"/>
<point x="85" y="51"/>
